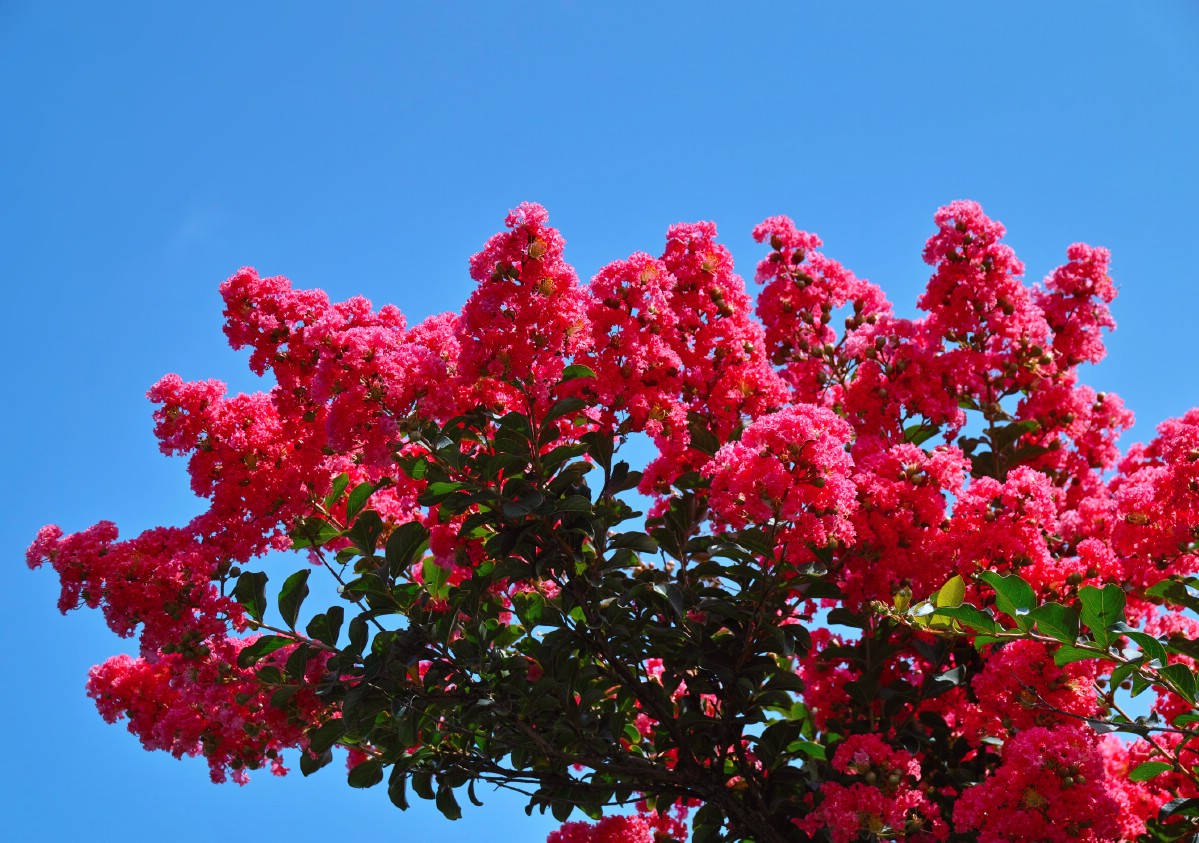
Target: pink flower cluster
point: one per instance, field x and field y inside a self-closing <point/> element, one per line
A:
<point x="204" y="705"/>
<point x="1052" y="787"/>
<point x="789" y="469"/>
<point x="645" y="826"/>
<point x="881" y="801"/>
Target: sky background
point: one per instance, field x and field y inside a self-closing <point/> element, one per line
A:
<point x="148" y="150"/>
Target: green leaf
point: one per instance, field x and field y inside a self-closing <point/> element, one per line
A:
<point x="673" y="595"/>
<point x="706" y="825"/>
<point x="250" y="592"/>
<point x="1147" y="770"/>
<point x="337" y="489"/>
<point x="447" y="804"/>
<point x="436" y="578"/>
<point x="291" y="597"/>
<point x="970" y="616"/>
<point x="326" y="735"/>
<point x="702" y="439"/>
<point x="637" y="542"/>
<point x="365" y="532"/>
<point x="358" y="633"/>
<point x="812" y="749"/>
<point x="251" y="654"/>
<point x="312" y="532"/>
<point x="918" y="434"/>
<point x="366" y="773"/>
<point x="560" y="408"/>
<point x="358" y="498"/>
<point x="283" y="696"/>
<point x="405" y="545"/>
<point x="576" y="371"/>
<point x="1068" y="653"/>
<point x="1180" y="807"/>
<point x="1013" y="596"/>
<point x="1057" y="621"/>
<point x="1182" y="679"/>
<point x="1150" y="646"/>
<point x="437" y="492"/>
<point x="416" y="468"/>
<point x="310" y="763"/>
<point x="1101" y="609"/>
<point x="326" y="626"/>
<point x="297" y="661"/>
<point x="397" y="788"/>
<point x="422" y="783"/>
<point x="1008" y="434"/>
<point x="952" y="593"/>
<point x="1175" y="592"/>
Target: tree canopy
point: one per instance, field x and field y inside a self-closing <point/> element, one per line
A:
<point x="894" y="578"/>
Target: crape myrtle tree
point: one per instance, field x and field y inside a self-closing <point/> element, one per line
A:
<point x="894" y="579"/>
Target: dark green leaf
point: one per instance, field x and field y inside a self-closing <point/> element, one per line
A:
<point x="673" y="595"/>
<point x="250" y="592"/>
<point x="326" y="626"/>
<point x="312" y="532"/>
<point x="1174" y="592"/>
<point x="358" y="634"/>
<point x="1180" y="807"/>
<point x="562" y="407"/>
<point x="705" y="827"/>
<point x="283" y="696"/>
<point x="702" y="439"/>
<point x="326" y="735"/>
<point x="1005" y="436"/>
<point x="447" y="804"/>
<point x="812" y="749"/>
<point x="405" y="545"/>
<point x="310" y="763"/>
<point x="637" y="542"/>
<point x="365" y="532"/>
<point x="251" y="654"/>
<point x="397" y="788"/>
<point x="435" y="493"/>
<point x="366" y="773"/>
<point x="422" y="783"/>
<point x="291" y="597"/>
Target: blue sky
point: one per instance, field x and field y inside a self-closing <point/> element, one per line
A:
<point x="150" y="149"/>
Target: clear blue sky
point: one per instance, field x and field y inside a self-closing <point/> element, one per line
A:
<point x="148" y="150"/>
